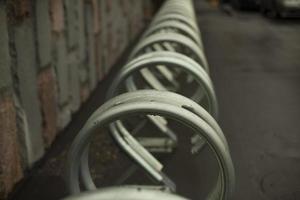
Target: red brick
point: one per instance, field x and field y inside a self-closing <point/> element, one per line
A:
<point x="10" y="162"/>
<point x="48" y="99"/>
<point x="57" y="15"/>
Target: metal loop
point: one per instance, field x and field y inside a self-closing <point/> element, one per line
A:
<point x="126" y="193"/>
<point x="172" y="60"/>
<point x="153" y="106"/>
<point x="175" y="17"/>
<point x="182" y="43"/>
<point x="169" y="49"/>
<point x="172" y="26"/>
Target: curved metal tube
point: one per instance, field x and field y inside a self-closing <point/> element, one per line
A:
<point x="171" y="39"/>
<point x="184" y="42"/>
<point x="164" y="97"/>
<point x="179" y="27"/>
<point x="152" y="106"/>
<point x="181" y="7"/>
<point x="125" y="193"/>
<point x="170" y="59"/>
<point x="175" y="17"/>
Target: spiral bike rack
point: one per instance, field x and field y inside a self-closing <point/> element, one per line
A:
<point x="175" y="27"/>
<point x="171" y="42"/>
<point x="125" y="193"/>
<point x="169" y="57"/>
<point x="188" y="43"/>
<point x="152" y="102"/>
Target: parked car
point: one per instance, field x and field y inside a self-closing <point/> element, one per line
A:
<point x="280" y="8"/>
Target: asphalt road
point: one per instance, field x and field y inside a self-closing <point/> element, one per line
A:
<point x="255" y="66"/>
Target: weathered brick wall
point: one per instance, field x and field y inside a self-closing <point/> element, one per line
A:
<point x="52" y="55"/>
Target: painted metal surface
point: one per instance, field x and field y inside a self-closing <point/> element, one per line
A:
<point x="170" y="48"/>
<point x="126" y="193"/>
<point x="177" y="27"/>
<point x="153" y="102"/>
<point x="181" y="44"/>
<point x="170" y="60"/>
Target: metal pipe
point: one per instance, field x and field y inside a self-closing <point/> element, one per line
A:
<point x="154" y="106"/>
<point x="171" y="47"/>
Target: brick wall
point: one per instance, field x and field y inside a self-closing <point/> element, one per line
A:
<point x="53" y="53"/>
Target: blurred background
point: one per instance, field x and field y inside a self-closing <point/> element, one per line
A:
<point x="58" y="57"/>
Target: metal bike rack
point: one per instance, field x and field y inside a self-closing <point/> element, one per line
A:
<point x="168" y="57"/>
<point x="171" y="60"/>
<point x="204" y="91"/>
<point x="125" y="193"/>
<point x="151" y="102"/>
<point x="175" y="27"/>
<point x="172" y="42"/>
<point x="176" y="17"/>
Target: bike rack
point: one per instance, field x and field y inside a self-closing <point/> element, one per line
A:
<point x="151" y="102"/>
<point x="175" y="27"/>
<point x="169" y="57"/>
<point x="125" y="193"/>
<point x="178" y="43"/>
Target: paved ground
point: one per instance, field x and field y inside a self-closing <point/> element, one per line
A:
<point x="255" y="65"/>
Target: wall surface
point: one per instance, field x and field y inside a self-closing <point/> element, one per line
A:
<point x="53" y="53"/>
